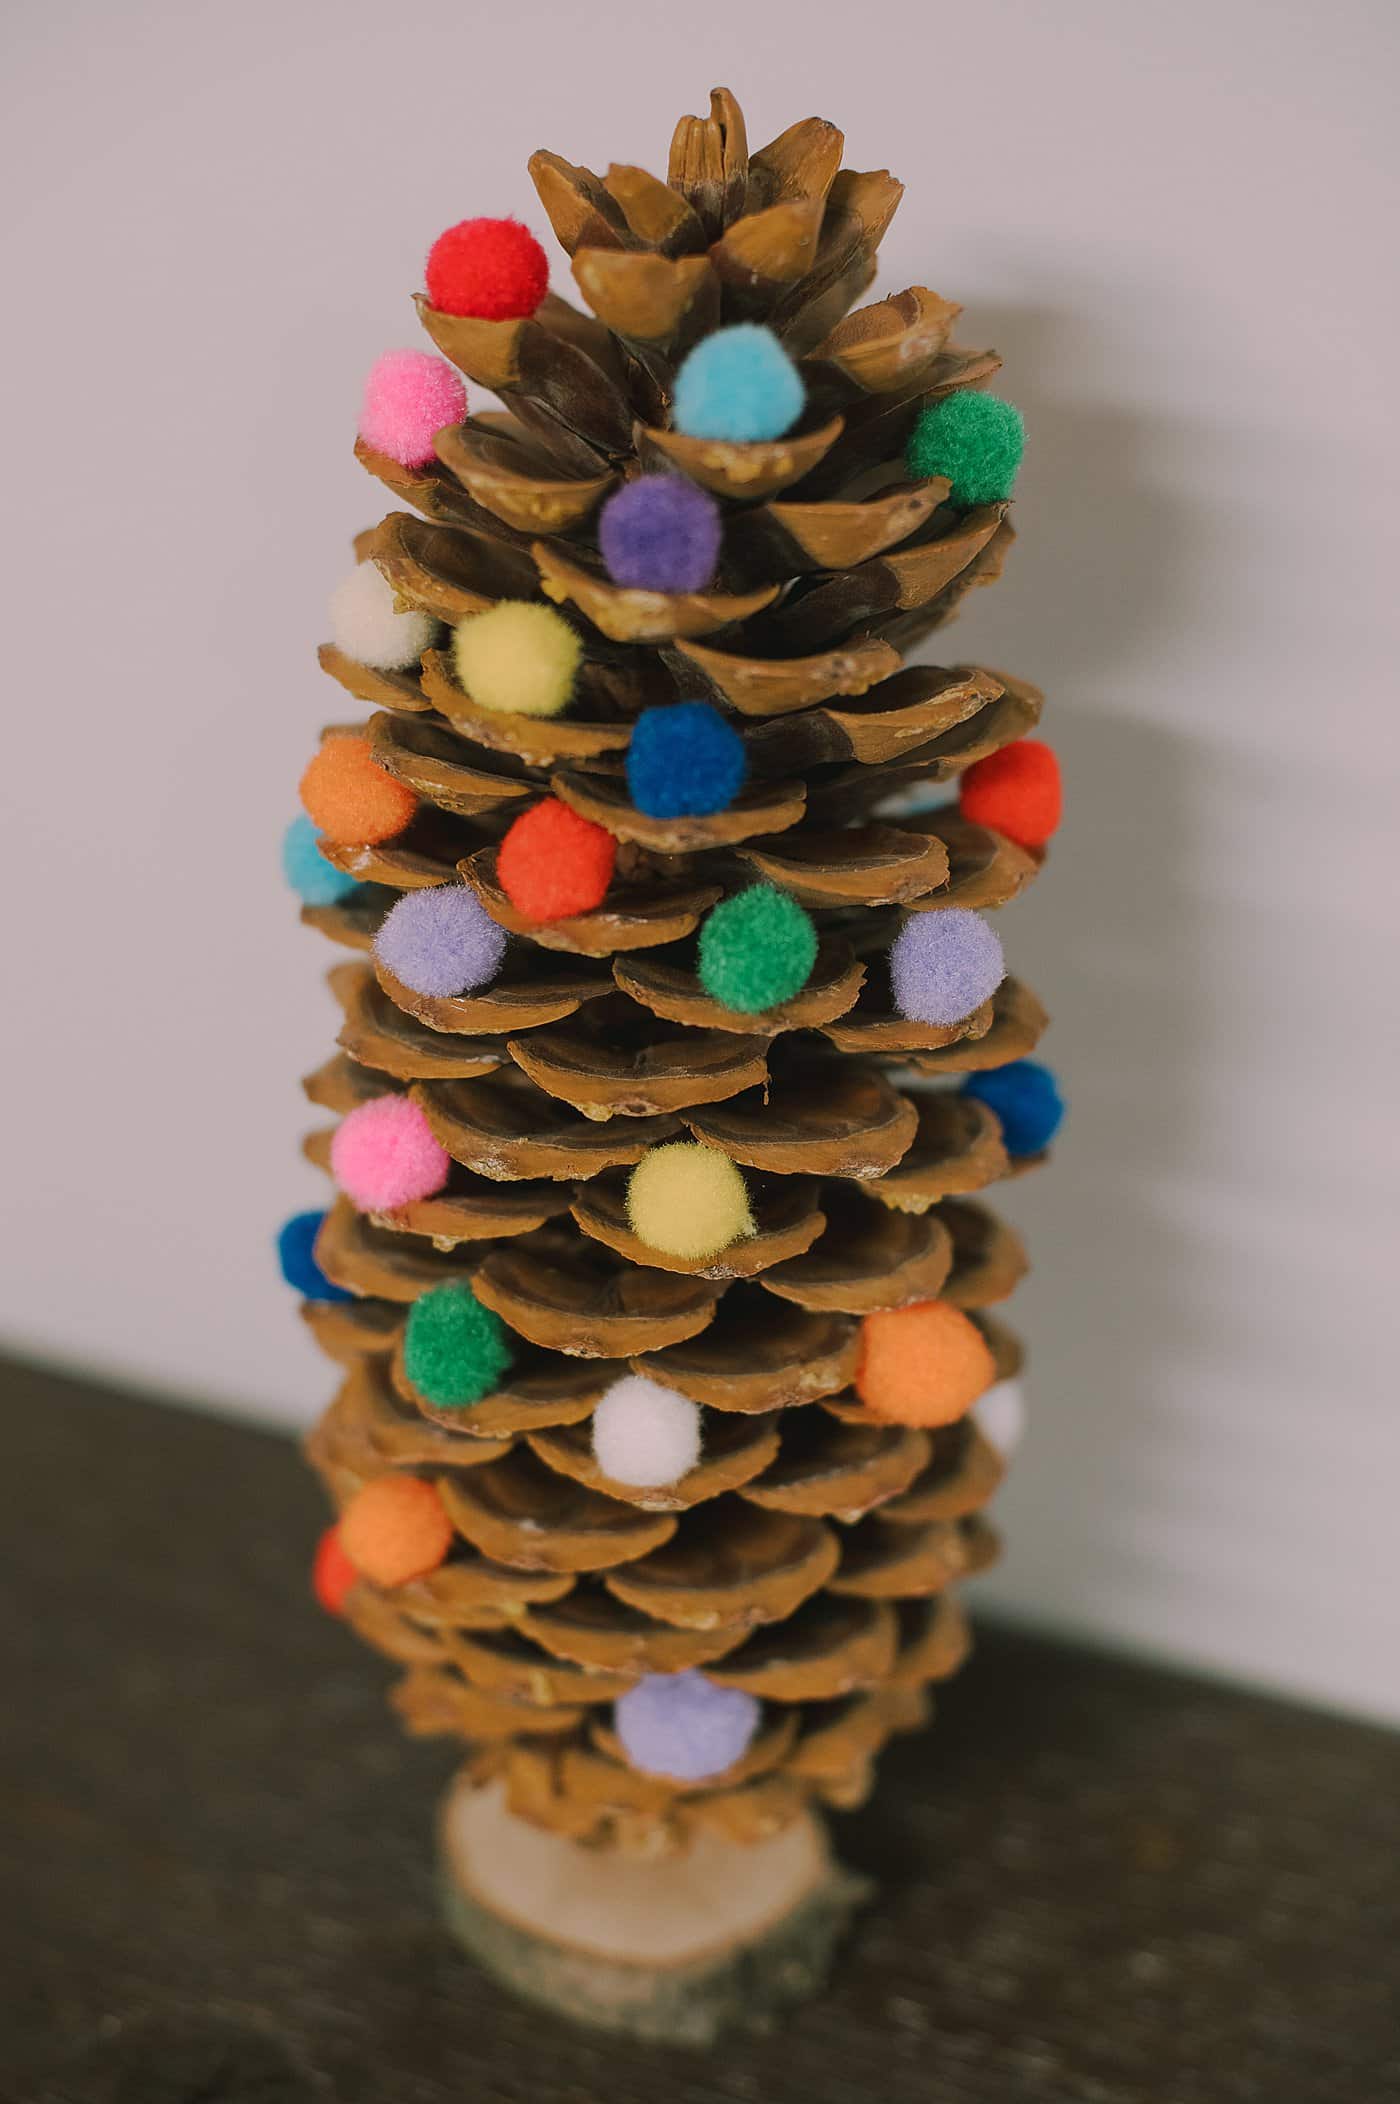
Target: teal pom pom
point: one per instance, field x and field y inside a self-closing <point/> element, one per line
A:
<point x="973" y="439"/>
<point x="740" y="384"/>
<point x="314" y="880"/>
<point x="756" y="949"/>
<point x="455" y="1351"/>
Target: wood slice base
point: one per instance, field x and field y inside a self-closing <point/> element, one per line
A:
<point x="677" y="1948"/>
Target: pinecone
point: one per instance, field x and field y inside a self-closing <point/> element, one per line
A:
<point x="807" y="1558"/>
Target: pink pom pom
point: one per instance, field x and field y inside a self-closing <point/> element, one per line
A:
<point x="384" y="1154"/>
<point x="409" y="397"/>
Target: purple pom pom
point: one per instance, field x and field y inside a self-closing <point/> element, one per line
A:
<point x="685" y="1726"/>
<point x="943" y="965"/>
<point x="661" y="534"/>
<point x="441" y="941"/>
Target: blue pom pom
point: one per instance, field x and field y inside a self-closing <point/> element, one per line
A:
<point x="1025" y="1097"/>
<point x="684" y="761"/>
<point x="312" y="878"/>
<point x="738" y="383"/>
<point x="296" y="1252"/>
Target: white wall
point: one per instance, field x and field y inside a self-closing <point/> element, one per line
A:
<point x="1177" y="222"/>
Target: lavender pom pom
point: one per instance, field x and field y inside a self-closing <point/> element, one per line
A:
<point x="441" y="941"/>
<point x="943" y="965"/>
<point x="661" y="534"/>
<point x="685" y="1726"/>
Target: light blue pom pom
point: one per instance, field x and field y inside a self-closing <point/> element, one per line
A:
<point x="738" y="383"/>
<point x="313" y="879"/>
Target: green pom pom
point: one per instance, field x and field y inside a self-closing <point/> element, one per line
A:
<point x="756" y="949"/>
<point x="973" y="439"/>
<point x="455" y="1351"/>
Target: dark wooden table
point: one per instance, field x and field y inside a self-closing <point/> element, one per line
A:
<point x="1101" y="1884"/>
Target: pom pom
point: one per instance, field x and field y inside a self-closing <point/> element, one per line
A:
<point x="684" y="760"/>
<point x="296" y="1253"/>
<point x="351" y="797"/>
<point x="1015" y="791"/>
<point x="409" y="397"/>
<point x="367" y="626"/>
<point x="332" y="1573"/>
<point x="943" y="965"/>
<point x="455" y="1350"/>
<point x="1001" y="1416"/>
<point x="644" y="1434"/>
<point x="384" y="1154"/>
<point x="553" y="864"/>
<point x="688" y="1200"/>
<point x="738" y="383"/>
<point x="518" y="656"/>
<point x="395" y="1529"/>
<point x="973" y="439"/>
<point x="493" y="269"/>
<point x="685" y="1726"/>
<point x="922" y="1365"/>
<point x="313" y="879"/>
<point x="756" y="949"/>
<point x="660" y="533"/>
<point x="1026" y="1099"/>
<point x="440" y="941"/>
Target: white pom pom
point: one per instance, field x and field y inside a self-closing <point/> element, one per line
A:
<point x="365" y="625"/>
<point x="644" y="1434"/>
<point x="1001" y="1416"/>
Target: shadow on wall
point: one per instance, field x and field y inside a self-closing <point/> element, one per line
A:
<point x="1105" y="564"/>
<point x="1104" y="572"/>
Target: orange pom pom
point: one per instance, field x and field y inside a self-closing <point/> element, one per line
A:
<point x="922" y="1365"/>
<point x="349" y="795"/>
<point x="552" y="863"/>
<point x="332" y="1573"/>
<point x="1015" y="791"/>
<point x="395" y="1529"/>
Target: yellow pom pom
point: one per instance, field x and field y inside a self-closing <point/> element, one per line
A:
<point x="518" y="656"/>
<point x="688" y="1200"/>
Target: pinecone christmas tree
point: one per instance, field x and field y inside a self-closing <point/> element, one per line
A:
<point x="672" y="1065"/>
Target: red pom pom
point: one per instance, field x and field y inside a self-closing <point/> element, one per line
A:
<point x="1015" y="791"/>
<point x="332" y="1573"/>
<point x="493" y="269"/>
<point x="552" y="863"/>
